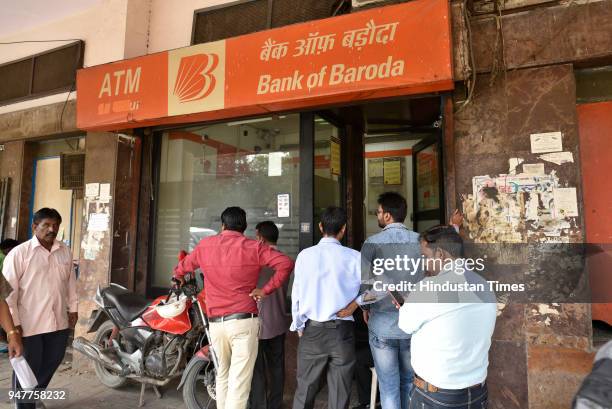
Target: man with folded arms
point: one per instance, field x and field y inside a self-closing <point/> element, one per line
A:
<point x="231" y="264"/>
<point x="327" y="278"/>
<point x="451" y="330"/>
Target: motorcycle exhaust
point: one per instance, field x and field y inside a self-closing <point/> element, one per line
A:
<point x="94" y="352"/>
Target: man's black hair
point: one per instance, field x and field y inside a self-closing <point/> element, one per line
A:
<point x="445" y="238"/>
<point x="268" y="230"/>
<point x="332" y="219"/>
<point x="46" y="213"/>
<point x="8" y="244"/>
<point x="394" y="204"/>
<point x="234" y="218"/>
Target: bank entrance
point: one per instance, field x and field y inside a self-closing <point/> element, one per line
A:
<point x="288" y="168"/>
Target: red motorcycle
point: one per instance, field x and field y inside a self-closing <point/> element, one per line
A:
<point x="153" y="343"/>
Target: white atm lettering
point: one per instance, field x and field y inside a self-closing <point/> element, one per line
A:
<point x="130" y="80"/>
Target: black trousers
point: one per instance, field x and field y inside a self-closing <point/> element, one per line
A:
<point x="269" y="374"/>
<point x="44" y="354"/>
<point x="320" y="348"/>
<point x="363" y="374"/>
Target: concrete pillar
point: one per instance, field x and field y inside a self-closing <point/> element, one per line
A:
<point x="11" y="166"/>
<point x="96" y="243"/>
<point x="540" y="352"/>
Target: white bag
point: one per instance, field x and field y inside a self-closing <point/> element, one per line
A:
<point x="24" y="373"/>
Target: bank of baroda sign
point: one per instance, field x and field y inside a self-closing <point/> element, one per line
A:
<point x="387" y="51"/>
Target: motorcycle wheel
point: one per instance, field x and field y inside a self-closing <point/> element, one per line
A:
<point x="196" y="394"/>
<point x="108" y="378"/>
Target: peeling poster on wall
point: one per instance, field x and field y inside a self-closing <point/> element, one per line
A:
<point x="566" y="204"/>
<point x="546" y="142"/>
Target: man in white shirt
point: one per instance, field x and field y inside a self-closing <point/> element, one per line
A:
<point x="44" y="299"/>
<point x="451" y="330"/>
<point x="327" y="278"/>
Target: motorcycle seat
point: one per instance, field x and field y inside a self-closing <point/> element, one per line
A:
<point x="129" y="305"/>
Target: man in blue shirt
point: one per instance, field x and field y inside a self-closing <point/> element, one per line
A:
<point x="451" y="329"/>
<point x="389" y="344"/>
<point x="327" y="277"/>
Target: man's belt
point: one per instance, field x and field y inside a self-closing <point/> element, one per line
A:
<point x="229" y="317"/>
<point x="426" y="386"/>
<point x="326" y="324"/>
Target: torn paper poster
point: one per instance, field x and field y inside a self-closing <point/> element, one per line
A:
<point x="566" y="204"/>
<point x="92" y="189"/>
<point x="558" y="157"/>
<point x="533" y="168"/>
<point x="546" y="142"/>
<point x="513" y="163"/>
<point x="98" y="222"/>
<point x="485" y="186"/>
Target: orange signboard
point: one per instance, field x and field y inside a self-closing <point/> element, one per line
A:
<point x="387" y="51"/>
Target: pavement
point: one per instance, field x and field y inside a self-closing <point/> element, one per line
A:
<point x="84" y="391"/>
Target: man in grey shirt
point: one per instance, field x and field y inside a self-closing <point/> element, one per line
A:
<point x="274" y="324"/>
<point x="389" y="344"/>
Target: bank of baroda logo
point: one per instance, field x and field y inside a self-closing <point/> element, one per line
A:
<point x="196" y="78"/>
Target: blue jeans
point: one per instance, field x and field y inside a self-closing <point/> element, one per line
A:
<point x="469" y="398"/>
<point x="395" y="375"/>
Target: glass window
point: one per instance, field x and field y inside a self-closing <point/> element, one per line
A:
<point x="253" y="164"/>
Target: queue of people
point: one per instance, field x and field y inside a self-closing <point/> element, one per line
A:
<point x="426" y="353"/>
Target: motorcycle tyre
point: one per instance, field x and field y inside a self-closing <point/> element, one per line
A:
<point x="106" y="377"/>
<point x="189" y="391"/>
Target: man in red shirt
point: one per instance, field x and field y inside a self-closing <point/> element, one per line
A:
<point x="231" y="264"/>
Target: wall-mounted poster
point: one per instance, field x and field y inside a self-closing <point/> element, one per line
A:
<point x="283" y="205"/>
<point x="428" y="184"/>
<point x="392" y="171"/>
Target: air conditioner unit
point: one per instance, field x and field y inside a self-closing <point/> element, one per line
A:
<point x="360" y="3"/>
<point x="72" y="171"/>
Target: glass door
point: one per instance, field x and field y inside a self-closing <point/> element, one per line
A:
<point x="327" y="175"/>
<point x="428" y="185"/>
<point x="253" y="163"/>
<point x="285" y="168"/>
<point x="321" y="172"/>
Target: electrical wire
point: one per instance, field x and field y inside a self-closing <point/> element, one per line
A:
<point x="472" y="81"/>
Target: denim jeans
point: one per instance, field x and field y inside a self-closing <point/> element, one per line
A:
<point x="395" y="375"/>
<point x="469" y="398"/>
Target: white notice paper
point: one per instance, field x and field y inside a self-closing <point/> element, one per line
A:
<point x="283" y="205"/>
<point x="513" y="164"/>
<point x="558" y="157"/>
<point x="105" y="193"/>
<point x="533" y="168"/>
<point x="98" y="222"/>
<point x="546" y="142"/>
<point x="275" y="164"/>
<point x="92" y="189"/>
<point x="104" y="189"/>
<point x="566" y="204"/>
